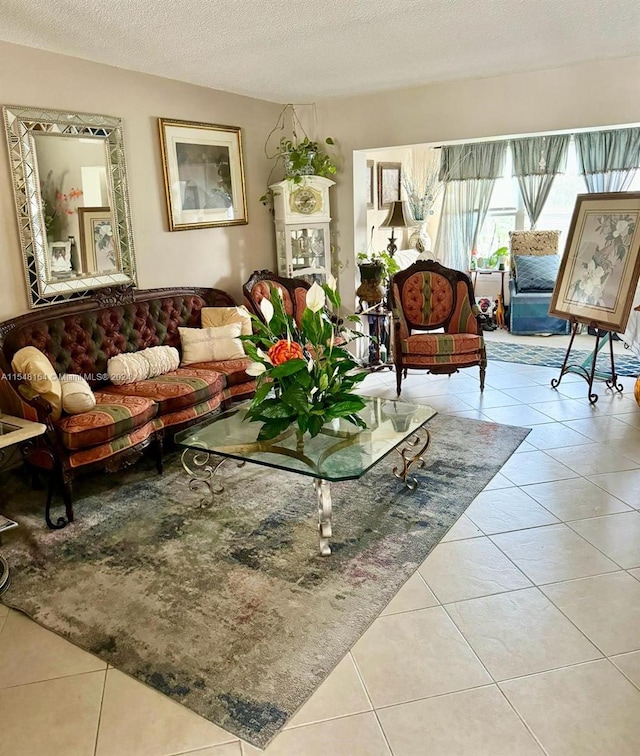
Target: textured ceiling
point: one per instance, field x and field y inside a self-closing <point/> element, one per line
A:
<point x="299" y="50"/>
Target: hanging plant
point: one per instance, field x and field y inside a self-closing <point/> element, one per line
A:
<point x="299" y="157"/>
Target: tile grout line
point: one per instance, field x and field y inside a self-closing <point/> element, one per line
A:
<point x="528" y="728"/>
<point x="104" y="686"/>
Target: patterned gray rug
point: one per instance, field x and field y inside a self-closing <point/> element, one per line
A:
<point x="626" y="364"/>
<point x="230" y="610"/>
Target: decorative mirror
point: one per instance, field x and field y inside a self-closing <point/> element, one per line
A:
<point x="70" y="186"/>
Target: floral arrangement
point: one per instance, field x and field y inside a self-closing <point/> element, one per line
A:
<point x="57" y="205"/>
<point x="307" y="368"/>
<point x="617" y="232"/>
<point x="422" y="185"/>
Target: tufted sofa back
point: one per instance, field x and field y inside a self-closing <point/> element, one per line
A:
<point x="78" y="338"/>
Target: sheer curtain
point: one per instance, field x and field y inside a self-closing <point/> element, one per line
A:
<point x="469" y="173"/>
<point x="608" y="160"/>
<point x="536" y="162"/>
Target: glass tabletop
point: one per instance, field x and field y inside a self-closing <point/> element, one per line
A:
<point x="341" y="451"/>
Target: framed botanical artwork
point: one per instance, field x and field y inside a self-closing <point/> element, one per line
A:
<point x="601" y="262"/>
<point x="370" y="193"/>
<point x="389" y="183"/>
<point x="203" y="174"/>
<point x="99" y="251"/>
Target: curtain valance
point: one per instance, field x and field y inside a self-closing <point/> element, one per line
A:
<point x="479" y="160"/>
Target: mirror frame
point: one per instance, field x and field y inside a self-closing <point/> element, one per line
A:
<point x="21" y="123"/>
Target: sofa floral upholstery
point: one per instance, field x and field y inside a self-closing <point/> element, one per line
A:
<point x="112" y="417"/>
<point x="436" y="325"/>
<point x="184" y="387"/>
<point x="79" y="338"/>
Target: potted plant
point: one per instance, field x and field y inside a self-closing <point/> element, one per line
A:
<point x="502" y="253"/>
<point x="375" y="269"/>
<point x="299" y="157"/>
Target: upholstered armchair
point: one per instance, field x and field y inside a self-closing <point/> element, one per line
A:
<point x="294" y="292"/>
<point x="436" y="322"/>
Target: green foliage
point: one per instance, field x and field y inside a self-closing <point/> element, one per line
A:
<point x="389" y="265"/>
<point x="300" y="155"/>
<point x="307" y="391"/>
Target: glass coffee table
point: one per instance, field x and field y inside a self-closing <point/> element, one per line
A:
<point x="341" y="451"/>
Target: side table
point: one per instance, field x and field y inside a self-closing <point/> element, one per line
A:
<point x="379" y="323"/>
<point x="14" y="431"/>
<point x="473" y="274"/>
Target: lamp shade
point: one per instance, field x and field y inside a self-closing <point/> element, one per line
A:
<point x="397" y="217"/>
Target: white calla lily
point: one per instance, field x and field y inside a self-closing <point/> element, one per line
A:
<point x="255" y="368"/>
<point x="316" y="298"/>
<point x="267" y="309"/>
<point x="331" y="281"/>
<point x="263" y="356"/>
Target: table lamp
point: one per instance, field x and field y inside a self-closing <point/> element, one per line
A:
<point x="397" y="218"/>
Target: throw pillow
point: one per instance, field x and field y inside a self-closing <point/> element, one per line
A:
<point x="161" y="359"/>
<point x="536" y="272"/>
<point x="213" y="317"/>
<point x="38" y="372"/>
<point x="211" y="344"/>
<point x="534" y="242"/>
<point x="127" y="368"/>
<point x="77" y="395"/>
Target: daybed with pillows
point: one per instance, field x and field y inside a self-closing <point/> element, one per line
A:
<point x="534" y="269"/>
<point x="115" y="373"/>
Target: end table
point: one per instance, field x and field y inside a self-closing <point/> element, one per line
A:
<point x="379" y="322"/>
<point x="14" y="431"/>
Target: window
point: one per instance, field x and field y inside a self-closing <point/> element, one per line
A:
<point x="558" y="209"/>
<point x="506" y="210"/>
<point x="506" y="213"/>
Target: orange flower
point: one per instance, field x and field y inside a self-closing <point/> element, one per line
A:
<point x="283" y="351"/>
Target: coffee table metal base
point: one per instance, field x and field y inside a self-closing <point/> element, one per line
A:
<point x="203" y="465"/>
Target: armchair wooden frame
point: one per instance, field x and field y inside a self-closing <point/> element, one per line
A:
<point x="290" y="285"/>
<point x="405" y="326"/>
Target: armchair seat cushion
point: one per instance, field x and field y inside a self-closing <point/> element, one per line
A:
<point x="182" y="388"/>
<point x="441" y="344"/>
<point x="112" y="417"/>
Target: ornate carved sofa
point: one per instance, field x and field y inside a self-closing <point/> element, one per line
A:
<point x="80" y="337"/>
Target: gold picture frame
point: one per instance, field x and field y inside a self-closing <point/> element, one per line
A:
<point x="389" y="184"/>
<point x="600" y="266"/>
<point x="203" y="174"/>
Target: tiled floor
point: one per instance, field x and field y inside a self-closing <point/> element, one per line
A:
<point x="519" y="635"/>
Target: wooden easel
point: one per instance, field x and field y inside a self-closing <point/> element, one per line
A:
<point x="587" y="369"/>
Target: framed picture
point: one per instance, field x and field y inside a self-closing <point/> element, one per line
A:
<point x="203" y="174"/>
<point x="60" y="259"/>
<point x="370" y="194"/>
<point x="601" y="262"/>
<point x="389" y="182"/>
<point x="98" y="246"/>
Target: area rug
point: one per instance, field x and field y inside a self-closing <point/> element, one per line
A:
<point x="554" y="357"/>
<point x="229" y="609"/>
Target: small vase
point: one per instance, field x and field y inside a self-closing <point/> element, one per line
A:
<point x="420" y="239"/>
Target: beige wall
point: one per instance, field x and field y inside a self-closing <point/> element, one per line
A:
<point x="222" y="257"/>
<point x="588" y="95"/>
